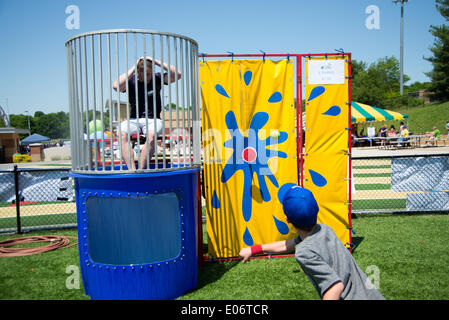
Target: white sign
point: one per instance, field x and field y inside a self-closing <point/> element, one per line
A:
<point x="326" y="72"/>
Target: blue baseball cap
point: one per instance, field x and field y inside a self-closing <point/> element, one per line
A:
<point x="300" y="207"/>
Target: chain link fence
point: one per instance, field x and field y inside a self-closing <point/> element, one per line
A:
<point x="400" y="184"/>
<point x="32" y="199"/>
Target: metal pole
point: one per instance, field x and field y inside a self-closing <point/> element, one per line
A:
<point x="29" y="130"/>
<point x="119" y="132"/>
<point x="402" y="49"/>
<point x="89" y="149"/>
<point x="180" y="140"/>
<point x="138" y="106"/>
<point x="183" y="103"/>
<point x="16" y="185"/>
<point x="100" y="63"/>
<point x="146" y="100"/>
<point x="94" y="107"/>
<point x="111" y="106"/>
<point x="169" y="98"/>
<point x="162" y="93"/>
<point x="153" y="83"/>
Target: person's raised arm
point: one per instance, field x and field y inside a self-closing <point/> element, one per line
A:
<point x="121" y="84"/>
<point x="278" y="247"/>
<point x="174" y="75"/>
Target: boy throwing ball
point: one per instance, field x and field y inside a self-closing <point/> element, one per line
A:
<point x="327" y="263"/>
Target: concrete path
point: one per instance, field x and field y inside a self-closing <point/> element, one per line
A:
<point x="376" y="152"/>
<point x="36" y="209"/>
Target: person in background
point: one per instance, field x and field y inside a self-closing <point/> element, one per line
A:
<point x="392" y="131"/>
<point x="434" y="137"/>
<point x="391" y="134"/>
<point x="403" y="136"/>
<point x="354" y="135"/>
<point x="383" y="134"/>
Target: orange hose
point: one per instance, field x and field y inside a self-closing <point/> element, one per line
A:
<point x="56" y="242"/>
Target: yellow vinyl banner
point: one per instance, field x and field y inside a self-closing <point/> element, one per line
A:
<point x="326" y="141"/>
<point x="249" y="151"/>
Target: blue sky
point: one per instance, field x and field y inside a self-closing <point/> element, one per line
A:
<point x="33" y="33"/>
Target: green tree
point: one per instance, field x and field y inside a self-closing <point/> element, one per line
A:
<point x="440" y="60"/>
<point x="357" y="67"/>
<point x="48" y="125"/>
<point x="52" y="125"/>
<point x="374" y="84"/>
<point x="415" y="86"/>
<point x="21" y="121"/>
<point x="64" y="125"/>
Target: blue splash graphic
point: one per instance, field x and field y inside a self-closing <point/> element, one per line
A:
<point x="281" y="226"/>
<point x="317" y="179"/>
<point x="251" y="156"/>
<point x="316" y="92"/>
<point x="247" y="77"/>
<point x="333" y="111"/>
<point x="259" y="165"/>
<point x="221" y="90"/>
<point x="275" y="97"/>
<point x="215" y="201"/>
<point x="247" y="238"/>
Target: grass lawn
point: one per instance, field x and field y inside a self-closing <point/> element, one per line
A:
<point x="42" y="276"/>
<point x="421" y="119"/>
<point x="410" y="252"/>
<point x="39" y="220"/>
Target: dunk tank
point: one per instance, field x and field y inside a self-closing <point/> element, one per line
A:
<point x="137" y="227"/>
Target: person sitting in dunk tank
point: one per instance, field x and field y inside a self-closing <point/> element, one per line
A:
<point x="138" y="122"/>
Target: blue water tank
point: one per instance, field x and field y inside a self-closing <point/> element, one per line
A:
<point x="138" y="233"/>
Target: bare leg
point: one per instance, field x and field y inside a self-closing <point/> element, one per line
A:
<point x="143" y="152"/>
<point x="125" y="152"/>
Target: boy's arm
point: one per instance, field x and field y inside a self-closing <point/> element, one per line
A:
<point x="278" y="247"/>
<point x="334" y="292"/>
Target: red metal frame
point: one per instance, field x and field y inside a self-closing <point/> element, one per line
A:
<point x="350" y="152"/>
<point x="299" y="126"/>
<point x="199" y="222"/>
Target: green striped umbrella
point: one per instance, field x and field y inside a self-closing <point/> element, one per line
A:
<point x="364" y="113"/>
<point x="361" y="113"/>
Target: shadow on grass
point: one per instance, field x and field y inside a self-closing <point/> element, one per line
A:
<point x="210" y="272"/>
<point x="356" y="242"/>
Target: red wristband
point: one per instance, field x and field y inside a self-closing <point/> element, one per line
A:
<point x="256" y="249"/>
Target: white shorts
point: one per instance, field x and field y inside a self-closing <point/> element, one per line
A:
<point x="141" y="125"/>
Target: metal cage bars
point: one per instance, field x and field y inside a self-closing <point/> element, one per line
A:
<point x="95" y="61"/>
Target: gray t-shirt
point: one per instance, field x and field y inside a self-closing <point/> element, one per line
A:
<point x="326" y="261"/>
